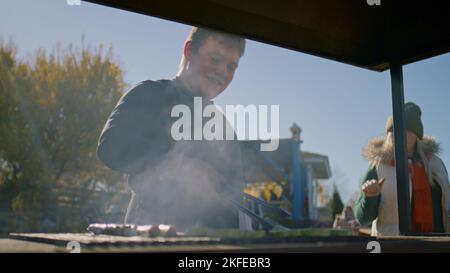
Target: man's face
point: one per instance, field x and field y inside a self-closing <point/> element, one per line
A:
<point x="212" y="66"/>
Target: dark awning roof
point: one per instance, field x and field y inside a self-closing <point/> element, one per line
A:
<point x="348" y="31"/>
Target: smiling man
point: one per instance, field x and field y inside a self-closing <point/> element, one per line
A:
<point x="177" y="182"/>
<point x="209" y="62"/>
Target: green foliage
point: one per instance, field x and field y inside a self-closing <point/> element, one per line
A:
<point x="336" y="204"/>
<point x="52" y="110"/>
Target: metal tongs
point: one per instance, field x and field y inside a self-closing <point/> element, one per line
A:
<point x="233" y="196"/>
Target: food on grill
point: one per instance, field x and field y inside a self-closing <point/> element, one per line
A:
<point x="310" y="232"/>
<point x="167" y="230"/>
<point x="156" y="230"/>
<point x="278" y="233"/>
<point x="225" y="233"/>
<point x="112" y="229"/>
<point x="133" y="230"/>
<point x="147" y="230"/>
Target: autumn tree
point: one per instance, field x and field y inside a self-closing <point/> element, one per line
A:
<point x="52" y="109"/>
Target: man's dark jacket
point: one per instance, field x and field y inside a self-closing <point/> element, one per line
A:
<point x="172" y="182"/>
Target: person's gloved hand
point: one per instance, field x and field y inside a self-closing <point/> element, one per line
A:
<point x="372" y="188"/>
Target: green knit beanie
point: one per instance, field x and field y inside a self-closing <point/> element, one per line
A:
<point x="412" y="120"/>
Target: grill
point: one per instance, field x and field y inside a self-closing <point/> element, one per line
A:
<point x="108" y="243"/>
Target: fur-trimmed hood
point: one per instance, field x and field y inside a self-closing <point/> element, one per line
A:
<point x="376" y="151"/>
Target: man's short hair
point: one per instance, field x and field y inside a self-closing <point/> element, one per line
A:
<point x="198" y="36"/>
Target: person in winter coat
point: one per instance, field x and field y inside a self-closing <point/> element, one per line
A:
<point x="429" y="182"/>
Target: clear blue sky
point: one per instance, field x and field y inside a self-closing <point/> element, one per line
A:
<point x="339" y="107"/>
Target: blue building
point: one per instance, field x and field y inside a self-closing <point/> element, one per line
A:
<point x="294" y="171"/>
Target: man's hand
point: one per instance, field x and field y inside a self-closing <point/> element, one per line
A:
<point x="372" y="188"/>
